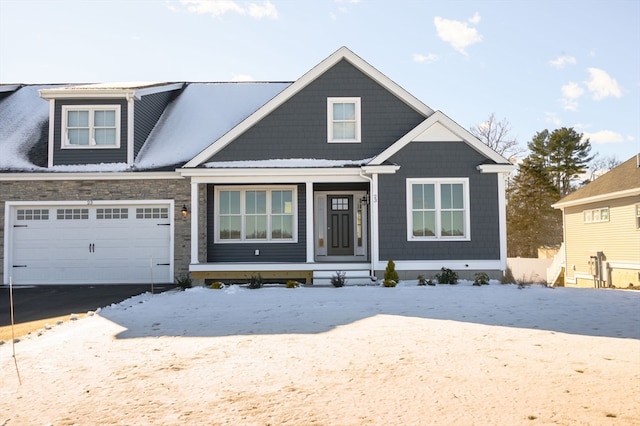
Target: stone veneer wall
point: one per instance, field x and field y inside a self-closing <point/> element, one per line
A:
<point x="178" y="190"/>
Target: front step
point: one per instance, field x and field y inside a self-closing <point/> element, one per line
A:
<point x="353" y="277"/>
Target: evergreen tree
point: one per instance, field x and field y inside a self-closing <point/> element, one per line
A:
<point x="563" y="154"/>
<point x="531" y="221"/>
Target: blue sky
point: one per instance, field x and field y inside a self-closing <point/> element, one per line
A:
<point x="538" y="64"/>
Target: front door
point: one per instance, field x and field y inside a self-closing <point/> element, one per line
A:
<point x="340" y="225"/>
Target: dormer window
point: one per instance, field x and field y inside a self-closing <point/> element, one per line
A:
<point x="91" y="126"/>
<point x="343" y="120"/>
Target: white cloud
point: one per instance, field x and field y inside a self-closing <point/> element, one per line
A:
<point x="475" y="19"/>
<point x="220" y="7"/>
<point x="458" y="34"/>
<point x="552" y="117"/>
<point x="427" y="59"/>
<point x="602" y="85"/>
<point x="562" y="61"/>
<point x="604" y="137"/>
<point x="570" y="93"/>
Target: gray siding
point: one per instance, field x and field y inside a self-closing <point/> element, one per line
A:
<point x="430" y="160"/>
<point x="298" y="128"/>
<point x="245" y="252"/>
<point x="88" y="155"/>
<point x="147" y="111"/>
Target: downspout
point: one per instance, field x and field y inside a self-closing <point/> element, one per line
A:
<point x="372" y="271"/>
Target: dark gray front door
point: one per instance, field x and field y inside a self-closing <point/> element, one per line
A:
<point x="340" y="225"/>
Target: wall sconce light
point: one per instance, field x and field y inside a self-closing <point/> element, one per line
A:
<point x="184" y="211"/>
<point x="364" y="200"/>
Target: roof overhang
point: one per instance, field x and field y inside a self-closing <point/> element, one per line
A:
<point x="496" y="168"/>
<point x="598" y="198"/>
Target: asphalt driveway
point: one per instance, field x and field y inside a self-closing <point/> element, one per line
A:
<point x="33" y="303"/>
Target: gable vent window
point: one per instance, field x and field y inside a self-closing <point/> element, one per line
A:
<point x="91" y="126"/>
<point x="343" y="120"/>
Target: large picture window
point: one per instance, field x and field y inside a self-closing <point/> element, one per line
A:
<point x="343" y="119"/>
<point x="438" y="209"/>
<point x="91" y="126"/>
<point x="250" y="214"/>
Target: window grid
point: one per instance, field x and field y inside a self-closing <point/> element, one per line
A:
<point x="33" y="214"/>
<point x="112" y="213"/>
<point x="72" y="214"/>
<point x="343" y="120"/>
<point x="596" y="215"/>
<point x="152" y="213"/>
<point x="91" y="126"/>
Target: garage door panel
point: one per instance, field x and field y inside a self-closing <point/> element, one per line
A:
<point x="94" y="244"/>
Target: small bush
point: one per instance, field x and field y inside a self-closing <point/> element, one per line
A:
<point x="481" y="278"/>
<point x="422" y="280"/>
<point x="292" y="284"/>
<point x="447" y="276"/>
<point x="390" y="273"/>
<point x="508" y="277"/>
<point x="184" y="281"/>
<point x="339" y="279"/>
<point x="216" y="285"/>
<point x="255" y="282"/>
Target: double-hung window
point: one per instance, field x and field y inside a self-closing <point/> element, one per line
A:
<point x="343" y="120"/>
<point x="96" y="126"/>
<point x="255" y="214"/>
<point x="438" y="209"/>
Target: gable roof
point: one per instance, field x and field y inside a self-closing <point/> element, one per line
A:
<point x="341" y="54"/>
<point x="440" y="128"/>
<point x="621" y="181"/>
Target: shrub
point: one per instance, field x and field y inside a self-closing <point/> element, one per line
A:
<point x="425" y="281"/>
<point x="481" y="278"/>
<point x="447" y="276"/>
<point x="391" y="277"/>
<point x="184" y="281"/>
<point x="256" y="281"/>
<point x="292" y="284"/>
<point x="508" y="277"/>
<point x="339" y="279"/>
<point x="216" y="285"/>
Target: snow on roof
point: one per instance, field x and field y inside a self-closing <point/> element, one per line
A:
<point x="199" y="116"/>
<point x="288" y="163"/>
<point x="22" y="115"/>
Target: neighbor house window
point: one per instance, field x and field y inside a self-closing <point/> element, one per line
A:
<point x="596" y="215"/>
<point x="438" y="209"/>
<point x="638" y="216"/>
<point x="91" y="126"/>
<point x="343" y="119"/>
<point x="255" y="214"/>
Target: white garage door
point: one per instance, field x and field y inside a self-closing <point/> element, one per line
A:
<point x="107" y="244"/>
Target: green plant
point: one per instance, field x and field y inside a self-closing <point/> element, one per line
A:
<point x="391" y="277"/>
<point x="339" y="279"/>
<point x="292" y="284"/>
<point x="425" y="281"/>
<point x="216" y="285"/>
<point x="481" y="278"/>
<point x="256" y="281"/>
<point x="447" y="276"/>
<point x="184" y="281"/>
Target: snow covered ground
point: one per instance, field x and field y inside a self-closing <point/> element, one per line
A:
<point x="408" y="355"/>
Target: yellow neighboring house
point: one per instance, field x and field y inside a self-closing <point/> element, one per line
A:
<point x="602" y="230"/>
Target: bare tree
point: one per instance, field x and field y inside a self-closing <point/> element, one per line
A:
<point x="495" y="134"/>
<point x="599" y="165"/>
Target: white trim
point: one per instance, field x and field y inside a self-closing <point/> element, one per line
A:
<point x="496" y="168"/>
<point x="64" y="138"/>
<point x="251" y="176"/>
<point x="275" y="266"/>
<point x="95" y="91"/>
<point x="502" y="218"/>
<point x="449" y="124"/>
<point x="435" y="265"/>
<point x="597" y="198"/>
<point x="195" y="219"/>
<point x="623" y="265"/>
<point x="297" y="86"/>
<point x="130" y="130"/>
<point x="269" y="190"/>
<point x="375" y="228"/>
<point x="49" y="176"/>
<point x="8" y="235"/>
<point x="357" y="120"/>
<point x="50" y="146"/>
<point x="309" y="221"/>
<point x="437" y="183"/>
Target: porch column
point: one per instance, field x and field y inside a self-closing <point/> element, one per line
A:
<point x="375" y="230"/>
<point x="502" y="219"/>
<point x="309" y="222"/>
<point x="194" y="223"/>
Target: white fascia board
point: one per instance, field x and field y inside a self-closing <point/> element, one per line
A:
<point x="97" y="92"/>
<point x="449" y="124"/>
<point x="297" y="86"/>
<point x="496" y="168"/>
<point x="16" y="177"/>
<point x="250" y="175"/>
<point x="597" y="198"/>
<point x="381" y="170"/>
<point x="436" y="265"/>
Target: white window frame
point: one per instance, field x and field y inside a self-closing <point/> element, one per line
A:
<point x="330" y="120"/>
<point x="589" y="214"/>
<point x="437" y="182"/>
<point x="91" y="109"/>
<point x="268" y="190"/>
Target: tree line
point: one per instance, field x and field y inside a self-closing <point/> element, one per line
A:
<point x="556" y="165"/>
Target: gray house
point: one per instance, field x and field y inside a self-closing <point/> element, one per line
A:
<point x="341" y="170"/>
